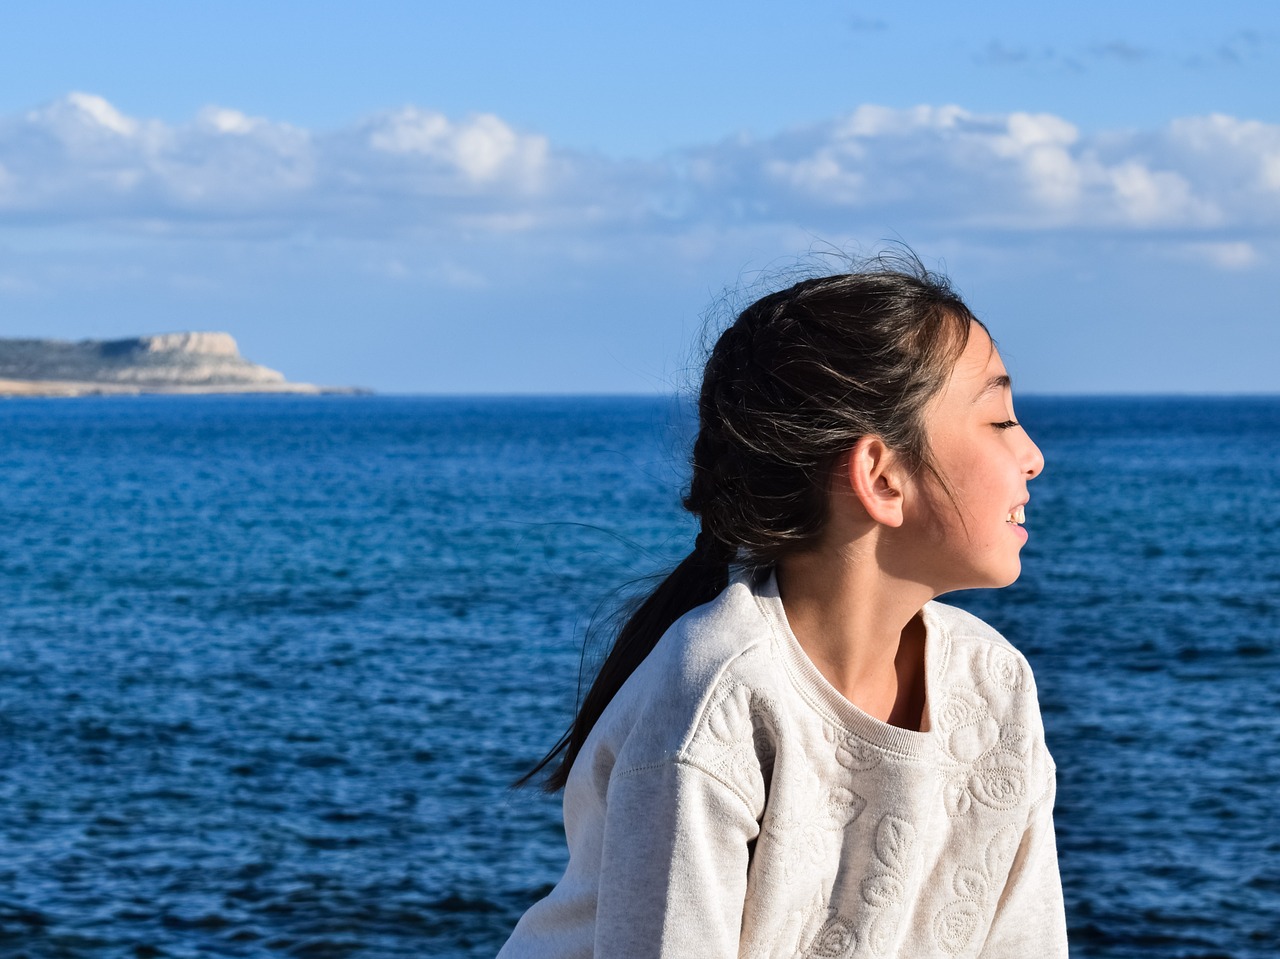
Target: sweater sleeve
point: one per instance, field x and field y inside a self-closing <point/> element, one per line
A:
<point x="1030" y="919"/>
<point x="673" y="874"/>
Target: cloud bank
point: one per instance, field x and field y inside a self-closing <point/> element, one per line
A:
<point x="1208" y="179"/>
<point x="412" y="250"/>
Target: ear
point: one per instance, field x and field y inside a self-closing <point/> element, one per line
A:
<point x="877" y="478"/>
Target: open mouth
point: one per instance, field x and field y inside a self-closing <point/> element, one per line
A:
<point x="1018" y="516"/>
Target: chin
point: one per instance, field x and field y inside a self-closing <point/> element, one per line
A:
<point x="997" y="579"/>
<point x="1009" y="578"/>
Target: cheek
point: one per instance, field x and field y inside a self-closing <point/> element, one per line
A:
<point x="969" y="512"/>
<point x="945" y="518"/>
<point x="964" y="488"/>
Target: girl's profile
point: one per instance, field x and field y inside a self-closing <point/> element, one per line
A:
<point x="792" y="748"/>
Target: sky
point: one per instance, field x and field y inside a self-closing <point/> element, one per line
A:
<point x="566" y="197"/>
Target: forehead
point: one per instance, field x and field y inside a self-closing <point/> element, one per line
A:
<point x="979" y="371"/>
<point x="979" y="360"/>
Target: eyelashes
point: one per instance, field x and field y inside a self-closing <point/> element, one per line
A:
<point x="1006" y="425"/>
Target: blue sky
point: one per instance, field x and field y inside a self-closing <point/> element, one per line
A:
<point x="550" y="197"/>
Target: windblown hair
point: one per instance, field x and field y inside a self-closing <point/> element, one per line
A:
<point x="798" y="378"/>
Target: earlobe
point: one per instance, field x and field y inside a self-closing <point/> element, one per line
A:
<point x="875" y="478"/>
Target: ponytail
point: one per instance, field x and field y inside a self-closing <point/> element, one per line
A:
<point x="699" y="578"/>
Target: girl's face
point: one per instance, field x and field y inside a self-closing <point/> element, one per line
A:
<point x="972" y="537"/>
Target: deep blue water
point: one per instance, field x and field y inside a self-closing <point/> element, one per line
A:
<point x="267" y="665"/>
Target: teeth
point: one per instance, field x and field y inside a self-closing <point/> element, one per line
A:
<point x="1018" y="516"/>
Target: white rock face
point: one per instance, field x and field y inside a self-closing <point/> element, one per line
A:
<point x="208" y="344"/>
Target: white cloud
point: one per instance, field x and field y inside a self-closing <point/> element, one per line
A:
<point x="876" y="121"/>
<point x="1241" y="158"/>
<point x="935" y="168"/>
<point x="79" y="114"/>
<point x="1146" y="197"/>
<point x="1232" y="255"/>
<point x="222" y="120"/>
<point x="81" y="158"/>
<point x="483" y="148"/>
<point x="1015" y="171"/>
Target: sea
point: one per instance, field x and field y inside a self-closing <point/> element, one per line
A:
<point x="270" y="665"/>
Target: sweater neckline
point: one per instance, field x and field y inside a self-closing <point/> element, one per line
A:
<point x="834" y="705"/>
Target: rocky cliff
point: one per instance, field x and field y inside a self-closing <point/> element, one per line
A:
<point x="164" y="363"/>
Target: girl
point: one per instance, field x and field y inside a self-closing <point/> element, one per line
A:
<point x="792" y="750"/>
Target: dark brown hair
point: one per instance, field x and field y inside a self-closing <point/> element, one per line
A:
<point x="792" y="384"/>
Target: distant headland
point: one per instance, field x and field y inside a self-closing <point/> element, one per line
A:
<point x="164" y="363"/>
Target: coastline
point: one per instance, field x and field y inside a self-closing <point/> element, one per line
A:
<point x="74" y="388"/>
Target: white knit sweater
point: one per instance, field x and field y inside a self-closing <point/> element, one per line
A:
<point x="730" y="802"/>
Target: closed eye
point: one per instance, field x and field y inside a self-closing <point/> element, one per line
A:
<point x="1006" y="425"/>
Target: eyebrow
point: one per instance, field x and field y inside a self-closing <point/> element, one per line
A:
<point x="995" y="383"/>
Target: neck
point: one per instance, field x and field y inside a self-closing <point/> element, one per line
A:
<point x="861" y="628"/>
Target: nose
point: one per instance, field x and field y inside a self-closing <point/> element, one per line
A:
<point x="1033" y="459"/>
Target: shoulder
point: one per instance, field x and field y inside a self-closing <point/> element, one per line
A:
<point x="714" y="660"/>
<point x="961" y="623"/>
<point x="727" y="638"/>
<point x="977" y="672"/>
<point x="973" y="650"/>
